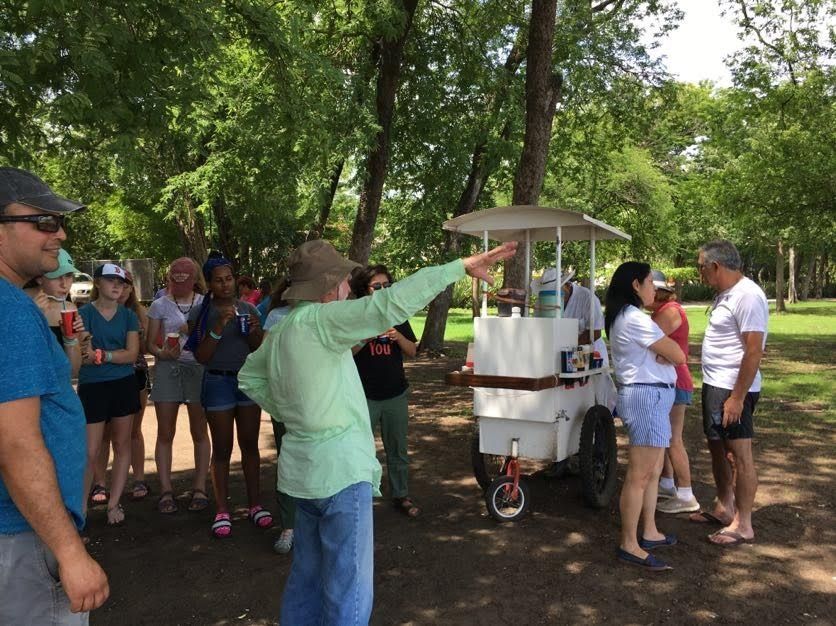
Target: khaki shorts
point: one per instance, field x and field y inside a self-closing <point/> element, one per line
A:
<point x="29" y="587"/>
<point x="175" y="381"/>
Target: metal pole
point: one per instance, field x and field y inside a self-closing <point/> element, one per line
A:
<point x="484" y="310"/>
<point x="592" y="284"/>
<point x="527" y="271"/>
<point x="559" y="269"/>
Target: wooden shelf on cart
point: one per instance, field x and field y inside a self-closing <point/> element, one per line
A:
<point x="468" y="379"/>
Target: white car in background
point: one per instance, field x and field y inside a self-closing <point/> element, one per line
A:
<point x="81" y="288"/>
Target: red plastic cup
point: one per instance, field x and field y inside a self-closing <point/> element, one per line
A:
<point x="67" y="319"/>
<point x="172" y="340"/>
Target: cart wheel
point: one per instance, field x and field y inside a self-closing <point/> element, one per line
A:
<point x="598" y="457"/>
<point x="503" y="504"/>
<point x="486" y="467"/>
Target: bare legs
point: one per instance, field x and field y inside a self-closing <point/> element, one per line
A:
<point x="737" y="484"/>
<point x="676" y="458"/>
<point x="638" y="498"/>
<point x="166" y="429"/>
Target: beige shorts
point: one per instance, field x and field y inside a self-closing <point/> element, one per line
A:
<point x="175" y="381"/>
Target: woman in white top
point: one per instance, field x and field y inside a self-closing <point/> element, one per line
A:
<point x="178" y="378"/>
<point x="644" y="360"/>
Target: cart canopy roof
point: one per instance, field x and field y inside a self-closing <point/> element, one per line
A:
<point x="509" y="223"/>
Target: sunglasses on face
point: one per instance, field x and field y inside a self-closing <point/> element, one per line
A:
<point x="45" y="222"/>
<point x="379" y="286"/>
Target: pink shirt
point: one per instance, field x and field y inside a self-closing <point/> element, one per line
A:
<point x="680" y="336"/>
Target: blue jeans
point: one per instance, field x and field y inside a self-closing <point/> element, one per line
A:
<point x="331" y="577"/>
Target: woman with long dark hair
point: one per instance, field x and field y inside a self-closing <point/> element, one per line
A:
<point x="224" y="331"/>
<point x="644" y="360"/>
<point x="379" y="361"/>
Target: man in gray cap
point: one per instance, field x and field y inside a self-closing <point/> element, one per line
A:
<point x="304" y="375"/>
<point x="46" y="574"/>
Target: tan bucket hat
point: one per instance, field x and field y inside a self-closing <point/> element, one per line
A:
<point x="314" y="269"/>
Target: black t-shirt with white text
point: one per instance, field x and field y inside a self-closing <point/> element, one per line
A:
<point x="380" y="364"/>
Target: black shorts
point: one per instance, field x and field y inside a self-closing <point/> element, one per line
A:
<point x="142" y="380"/>
<point x="113" y="398"/>
<point x="712" y="414"/>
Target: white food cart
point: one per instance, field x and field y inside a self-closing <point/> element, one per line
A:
<point x="526" y="405"/>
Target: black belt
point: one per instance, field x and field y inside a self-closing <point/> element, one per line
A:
<point x="234" y="373"/>
<point x="662" y="385"/>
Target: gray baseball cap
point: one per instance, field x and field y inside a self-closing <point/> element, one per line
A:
<point x="24" y="187"/>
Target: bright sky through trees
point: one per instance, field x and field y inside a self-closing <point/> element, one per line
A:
<point x="695" y="51"/>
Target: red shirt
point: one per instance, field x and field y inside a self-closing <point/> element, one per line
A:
<point x="680" y="336"/>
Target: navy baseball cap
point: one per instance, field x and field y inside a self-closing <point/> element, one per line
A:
<point x="24" y="187"/>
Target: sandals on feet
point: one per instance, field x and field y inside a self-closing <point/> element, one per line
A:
<point x="115" y="515"/>
<point x="261" y="517"/>
<point x="222" y="526"/>
<point x="166" y="504"/>
<point x="406" y="506"/>
<point x="199" y="500"/>
<point x="735" y="538"/>
<point x="139" y="490"/>
<point x="99" y="494"/>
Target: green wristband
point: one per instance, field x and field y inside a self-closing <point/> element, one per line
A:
<point x="214" y="336"/>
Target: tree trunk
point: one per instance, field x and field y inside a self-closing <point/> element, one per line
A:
<point x="822" y="276"/>
<point x="227" y="241"/>
<point x="191" y="229"/>
<point x="780" y="307"/>
<point x="791" y="290"/>
<point x="432" y="339"/>
<point x="377" y="160"/>
<point x="542" y="93"/>
<point x="326" y="202"/>
<point x="808" y="276"/>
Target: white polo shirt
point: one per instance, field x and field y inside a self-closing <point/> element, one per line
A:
<point x="739" y="309"/>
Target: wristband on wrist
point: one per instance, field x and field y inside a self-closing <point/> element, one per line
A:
<point x="214" y="335"/>
<point x="70" y="342"/>
<point x="108" y="356"/>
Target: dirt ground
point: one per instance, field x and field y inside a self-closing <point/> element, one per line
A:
<point x="455" y="565"/>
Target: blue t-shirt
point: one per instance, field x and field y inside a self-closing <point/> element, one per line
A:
<point x="32" y="364"/>
<point x="263" y="308"/>
<point x="107" y="335"/>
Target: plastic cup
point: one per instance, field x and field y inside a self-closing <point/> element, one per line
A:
<point x="243" y="323"/>
<point x="67" y="319"/>
<point x="172" y="340"/>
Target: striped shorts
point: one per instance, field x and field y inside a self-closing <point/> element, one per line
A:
<point x="645" y="411"/>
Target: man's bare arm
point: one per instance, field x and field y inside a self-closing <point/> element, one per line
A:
<point x="28" y="472"/>
<point x="752" y="354"/>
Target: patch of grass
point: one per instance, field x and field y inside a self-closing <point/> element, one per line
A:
<point x="799" y="369"/>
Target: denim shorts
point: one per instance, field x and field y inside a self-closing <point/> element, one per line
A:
<point x="645" y="413"/>
<point x="683" y="397"/>
<point x="220" y="392"/>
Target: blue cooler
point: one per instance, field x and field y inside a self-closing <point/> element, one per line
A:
<point x="546" y="303"/>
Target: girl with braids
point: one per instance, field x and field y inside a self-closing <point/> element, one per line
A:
<point x="224" y="331"/>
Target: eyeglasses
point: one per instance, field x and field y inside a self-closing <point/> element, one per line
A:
<point x="379" y="286"/>
<point x="45" y="222"/>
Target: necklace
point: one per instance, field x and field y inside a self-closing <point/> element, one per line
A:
<point x="180" y="307"/>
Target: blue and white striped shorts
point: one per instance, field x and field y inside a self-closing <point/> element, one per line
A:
<point x="645" y="411"/>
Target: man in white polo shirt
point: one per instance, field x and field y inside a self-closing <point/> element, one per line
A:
<point x="732" y="348"/>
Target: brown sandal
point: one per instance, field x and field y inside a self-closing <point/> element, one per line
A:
<point x="200" y="500"/>
<point x="406" y="506"/>
<point x="166" y="504"/>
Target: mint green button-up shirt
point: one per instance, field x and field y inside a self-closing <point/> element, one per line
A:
<point x="304" y="375"/>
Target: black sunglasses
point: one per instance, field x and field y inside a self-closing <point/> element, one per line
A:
<point x="45" y="222"/>
<point x="379" y="286"/>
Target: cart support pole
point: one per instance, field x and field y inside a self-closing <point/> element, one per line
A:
<point x="527" y="271"/>
<point x="592" y="284"/>
<point x="484" y="310"/>
<point x="559" y="270"/>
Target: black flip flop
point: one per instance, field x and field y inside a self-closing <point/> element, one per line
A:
<point x="707" y="518"/>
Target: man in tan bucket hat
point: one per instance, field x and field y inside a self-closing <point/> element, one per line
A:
<point x="304" y="375"/>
